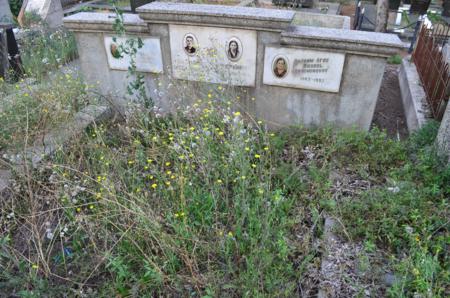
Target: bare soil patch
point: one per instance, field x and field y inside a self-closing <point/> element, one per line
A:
<point x="389" y="113"/>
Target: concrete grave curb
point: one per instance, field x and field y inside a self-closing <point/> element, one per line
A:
<point x="417" y="110"/>
<point x="54" y="139"/>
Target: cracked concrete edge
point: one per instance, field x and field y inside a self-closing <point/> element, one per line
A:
<point x="90" y="114"/>
<point x="415" y="105"/>
<point x="328" y="237"/>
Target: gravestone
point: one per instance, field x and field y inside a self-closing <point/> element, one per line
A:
<point x="49" y="10"/>
<point x="226" y="55"/>
<point x="286" y="74"/>
<point x="305" y="69"/>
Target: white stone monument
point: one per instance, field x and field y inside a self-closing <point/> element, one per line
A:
<point x="49" y="10"/>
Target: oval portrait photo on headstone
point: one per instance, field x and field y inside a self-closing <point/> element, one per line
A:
<point x="280" y="66"/>
<point x="114" y="49"/>
<point x="234" y="49"/>
<point x="190" y="44"/>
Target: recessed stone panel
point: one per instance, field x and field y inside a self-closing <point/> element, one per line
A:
<point x="304" y="69"/>
<point x="214" y="55"/>
<point x="148" y="58"/>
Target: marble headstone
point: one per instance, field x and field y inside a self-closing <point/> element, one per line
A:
<point x="214" y="55"/>
<point x="303" y="69"/>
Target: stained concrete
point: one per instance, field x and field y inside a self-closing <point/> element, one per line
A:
<point x="417" y="110"/>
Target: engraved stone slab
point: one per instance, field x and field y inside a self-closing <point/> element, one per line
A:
<point x="148" y="58"/>
<point x="214" y="55"/>
<point x="305" y="69"/>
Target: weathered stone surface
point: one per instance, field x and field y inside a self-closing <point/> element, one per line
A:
<point x="417" y="110"/>
<point x="366" y="43"/>
<point x="443" y="137"/>
<point x="103" y="22"/>
<point x="49" y="10"/>
<point x="216" y="15"/>
<point x="148" y="58"/>
<point x="5" y="12"/>
<point x="320" y="20"/>
<point x="210" y="60"/>
<point x="305" y="69"/>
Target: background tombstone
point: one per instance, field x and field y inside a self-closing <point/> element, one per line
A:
<point x="49" y="10"/>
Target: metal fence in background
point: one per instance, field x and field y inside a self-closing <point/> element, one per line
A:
<point x="433" y="68"/>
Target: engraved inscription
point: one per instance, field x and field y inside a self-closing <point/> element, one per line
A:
<point x="315" y="70"/>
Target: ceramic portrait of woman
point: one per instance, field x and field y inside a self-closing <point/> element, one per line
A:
<point x="280" y="67"/>
<point x="234" y="49"/>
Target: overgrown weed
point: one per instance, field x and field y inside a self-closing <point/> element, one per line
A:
<point x="408" y="216"/>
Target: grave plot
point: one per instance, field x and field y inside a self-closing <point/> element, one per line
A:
<point x="208" y="202"/>
<point x="205" y="197"/>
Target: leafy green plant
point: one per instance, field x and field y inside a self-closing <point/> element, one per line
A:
<point x="15" y="6"/>
<point x="408" y="216"/>
<point x="395" y="59"/>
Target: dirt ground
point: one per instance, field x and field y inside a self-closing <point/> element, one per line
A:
<point x="389" y="113"/>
